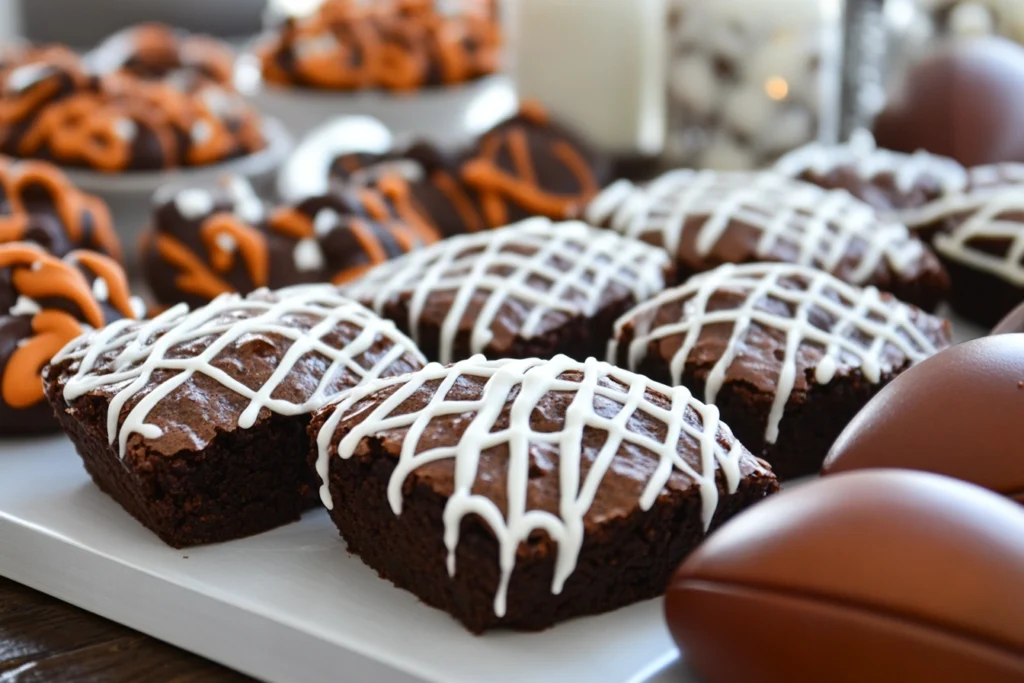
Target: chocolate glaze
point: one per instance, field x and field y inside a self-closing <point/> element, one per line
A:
<point x="894" y="566"/>
<point x="525" y="166"/>
<point x="957" y="414"/>
<point x="26" y="320"/>
<point x="328" y="238"/>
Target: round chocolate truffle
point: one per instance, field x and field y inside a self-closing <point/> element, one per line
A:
<point x="879" y="576"/>
<point x="45" y="302"/>
<point x="965" y="101"/>
<point x="958" y="413"/>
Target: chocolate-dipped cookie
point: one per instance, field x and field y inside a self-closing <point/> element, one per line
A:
<point x="535" y="288"/>
<point x="789" y="354"/>
<point x="892" y="566"/>
<point x="38" y="204"/>
<point x="51" y="108"/>
<point x="555" y="488"/>
<point x="195" y="421"/>
<point x="45" y="302"/>
<point x="390" y="44"/>
<point x="704" y="219"/>
<point x="204" y="242"/>
<point x="528" y="165"/>
<point x="156" y="51"/>
<point x="956" y="414"/>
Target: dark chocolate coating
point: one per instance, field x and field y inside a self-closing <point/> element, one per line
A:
<point x="553" y="170"/>
<point x="958" y="413"/>
<point x="875" y="576"/>
<point x="965" y="101"/>
<point x="627" y="555"/>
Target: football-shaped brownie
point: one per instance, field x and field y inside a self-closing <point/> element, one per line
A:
<point x="879" y="576"/>
<point x="957" y="413"/>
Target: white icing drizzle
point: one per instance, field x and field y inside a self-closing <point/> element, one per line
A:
<point x="862" y="312"/>
<point x="193" y="203"/>
<point x="985" y="219"/>
<point x="141" y="349"/>
<point x="589" y="261"/>
<point x="824" y="227"/>
<point x="870" y="162"/>
<point x="307" y="256"/>
<point x="247" y="205"/>
<point x="984" y="182"/>
<point x="686" y="419"/>
<point x="100" y="289"/>
<point x="24" y="306"/>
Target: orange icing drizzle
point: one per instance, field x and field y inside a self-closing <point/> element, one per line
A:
<point x="161" y="48"/>
<point x="194" y="276"/>
<point x="243" y="238"/>
<point x="497" y="187"/>
<point x="396" y="190"/>
<point x="83" y="128"/>
<point x="40" y="276"/>
<point x="16" y="108"/>
<point x="72" y="206"/>
<point x="388" y="43"/>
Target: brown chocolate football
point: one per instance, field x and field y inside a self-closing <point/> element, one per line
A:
<point x="884" y="576"/>
<point x="959" y="413"/>
<point x="965" y="101"/>
<point x="1012" y="323"/>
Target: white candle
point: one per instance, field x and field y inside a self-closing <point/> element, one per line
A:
<point x="598" y="65"/>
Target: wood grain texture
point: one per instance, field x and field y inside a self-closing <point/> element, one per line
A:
<point x="44" y="640"/>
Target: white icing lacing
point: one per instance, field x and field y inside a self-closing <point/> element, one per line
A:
<point x="564" y="261"/>
<point x="534" y="379"/>
<point x="869" y="162"/>
<point x="858" y="314"/>
<point x="142" y="349"/>
<point x="985" y="220"/>
<point x="984" y="182"/>
<point x="825" y="228"/>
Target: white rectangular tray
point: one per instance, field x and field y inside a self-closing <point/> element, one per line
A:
<point x="290" y="605"/>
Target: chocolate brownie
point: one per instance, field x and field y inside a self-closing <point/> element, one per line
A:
<point x="39" y="204"/>
<point x="528" y="165"/>
<point x="521" y="493"/>
<point x="397" y="45"/>
<point x="708" y="218"/>
<point x="53" y="108"/>
<point x="893" y="183"/>
<point x="45" y="302"/>
<point x="195" y="421"/>
<point x="205" y="241"/>
<point x="536" y="288"/>
<point x="155" y="51"/>
<point x="981" y="241"/>
<point x="789" y="354"/>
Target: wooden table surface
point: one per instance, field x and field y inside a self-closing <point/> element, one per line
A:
<point x="44" y="640"/>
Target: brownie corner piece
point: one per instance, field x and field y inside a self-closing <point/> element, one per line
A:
<point x="195" y="421"/>
<point x="395" y="497"/>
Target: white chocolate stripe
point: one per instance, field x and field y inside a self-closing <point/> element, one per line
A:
<point x="492" y="263"/>
<point x="986" y="220"/>
<point x="142" y="349"/>
<point x="825" y="229"/>
<point x="860" y="313"/>
<point x="534" y="379"/>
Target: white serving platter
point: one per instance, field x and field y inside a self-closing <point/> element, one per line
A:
<point x="290" y="605"/>
<point x="287" y="606"/>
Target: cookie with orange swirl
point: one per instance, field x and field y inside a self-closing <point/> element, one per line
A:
<point x="38" y="204"/>
<point x="391" y="44"/>
<point x="528" y="165"/>
<point x="204" y="242"/>
<point x="156" y="51"/>
<point x="126" y="123"/>
<point x="45" y="302"/>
